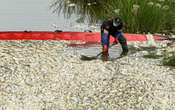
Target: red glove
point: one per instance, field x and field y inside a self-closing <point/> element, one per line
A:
<point x="105" y="49"/>
<point x="116" y="41"/>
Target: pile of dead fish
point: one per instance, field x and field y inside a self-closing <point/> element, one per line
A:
<point x="44" y="75"/>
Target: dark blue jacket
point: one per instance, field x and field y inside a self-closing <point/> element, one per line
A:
<point x="108" y="25"/>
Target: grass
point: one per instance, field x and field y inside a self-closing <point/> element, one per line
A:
<point x="140" y="48"/>
<point x="151" y="51"/>
<point x="169" y="60"/>
<point x="152" y="56"/>
<point x="137" y="15"/>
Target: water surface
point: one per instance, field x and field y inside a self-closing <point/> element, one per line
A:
<point x="35" y="15"/>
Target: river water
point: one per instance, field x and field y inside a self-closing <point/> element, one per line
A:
<point x="36" y="15"/>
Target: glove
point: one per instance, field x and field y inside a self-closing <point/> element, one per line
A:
<point x="116" y="41"/>
<point x="105" y="48"/>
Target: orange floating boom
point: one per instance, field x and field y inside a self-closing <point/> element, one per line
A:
<point x="80" y="36"/>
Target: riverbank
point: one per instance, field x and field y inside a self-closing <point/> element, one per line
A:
<point x="43" y="75"/>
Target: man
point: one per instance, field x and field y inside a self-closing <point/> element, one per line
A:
<point x="113" y="27"/>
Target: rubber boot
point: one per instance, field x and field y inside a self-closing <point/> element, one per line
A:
<point x="124" y="53"/>
<point x="124" y="45"/>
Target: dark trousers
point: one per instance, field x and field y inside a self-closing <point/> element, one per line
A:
<point x="121" y="38"/>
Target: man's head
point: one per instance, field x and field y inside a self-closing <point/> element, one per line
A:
<point x="116" y="21"/>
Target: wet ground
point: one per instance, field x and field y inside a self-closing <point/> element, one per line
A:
<point x="94" y="48"/>
<point x="91" y="49"/>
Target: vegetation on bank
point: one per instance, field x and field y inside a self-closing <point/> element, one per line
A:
<point x="152" y="55"/>
<point x="169" y="59"/>
<point x="138" y="15"/>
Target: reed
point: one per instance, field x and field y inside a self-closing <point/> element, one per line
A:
<point x="138" y="15"/>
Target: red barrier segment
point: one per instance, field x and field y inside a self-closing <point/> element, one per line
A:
<point x="81" y="36"/>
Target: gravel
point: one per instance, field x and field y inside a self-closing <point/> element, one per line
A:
<point x="44" y="75"/>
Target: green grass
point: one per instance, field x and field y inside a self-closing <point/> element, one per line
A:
<point x="169" y="60"/>
<point x="151" y="50"/>
<point x="141" y="48"/>
<point x="146" y="18"/>
<point x="152" y="56"/>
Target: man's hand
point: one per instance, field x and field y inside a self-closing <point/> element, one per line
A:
<point x="116" y="41"/>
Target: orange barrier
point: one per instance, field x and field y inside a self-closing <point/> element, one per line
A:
<point x="81" y="36"/>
